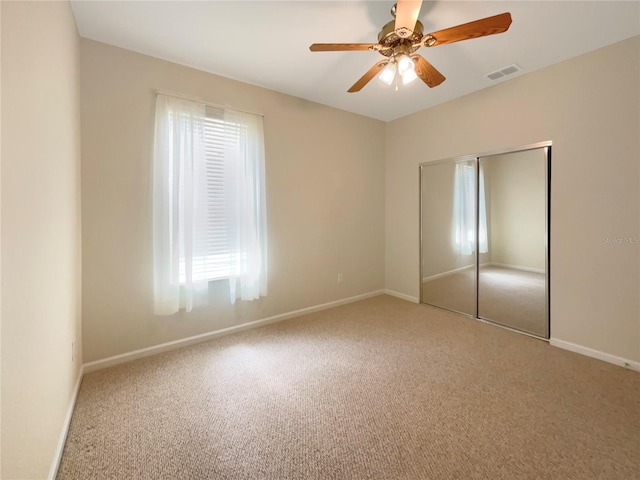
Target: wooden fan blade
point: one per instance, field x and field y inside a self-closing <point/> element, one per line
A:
<point x="339" y="47"/>
<point x="427" y="72"/>
<point x="479" y="28"/>
<point x="407" y="12"/>
<point x="366" y="78"/>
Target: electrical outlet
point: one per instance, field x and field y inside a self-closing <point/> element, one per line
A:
<point x="340" y="278"/>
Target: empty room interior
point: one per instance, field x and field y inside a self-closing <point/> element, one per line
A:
<point x="232" y="249"/>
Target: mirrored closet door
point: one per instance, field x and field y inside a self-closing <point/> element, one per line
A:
<point x="448" y="213"/>
<point x="484" y="236"/>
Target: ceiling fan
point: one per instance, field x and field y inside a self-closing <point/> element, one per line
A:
<point x="400" y="38"/>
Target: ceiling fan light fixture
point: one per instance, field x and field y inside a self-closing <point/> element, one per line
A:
<point x="406" y="69"/>
<point x="405" y="64"/>
<point x="409" y="76"/>
<point x="388" y="73"/>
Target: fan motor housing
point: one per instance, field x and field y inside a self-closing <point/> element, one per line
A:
<point x="390" y="40"/>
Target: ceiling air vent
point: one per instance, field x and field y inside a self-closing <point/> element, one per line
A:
<point x="503" y="72"/>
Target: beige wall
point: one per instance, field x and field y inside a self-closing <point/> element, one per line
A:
<point x="0" y="236"/>
<point x="1" y="455"/>
<point x="515" y="185"/>
<point x="325" y="201"/>
<point x="594" y="126"/>
<point x="40" y="231"/>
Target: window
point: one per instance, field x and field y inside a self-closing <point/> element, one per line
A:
<point x="213" y="258"/>
<point x="209" y="203"/>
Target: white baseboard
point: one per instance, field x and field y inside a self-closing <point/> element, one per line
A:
<point x="53" y="471"/>
<point x="408" y="298"/>
<point x="165" y="347"/>
<point x="488" y="264"/>
<point x="516" y="267"/>
<point x="449" y="272"/>
<point x="590" y="352"/>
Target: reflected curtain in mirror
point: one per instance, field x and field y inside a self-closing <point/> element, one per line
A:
<point x="464" y="202"/>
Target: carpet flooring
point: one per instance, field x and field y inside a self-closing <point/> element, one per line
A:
<point x="378" y="389"/>
<point x="509" y="297"/>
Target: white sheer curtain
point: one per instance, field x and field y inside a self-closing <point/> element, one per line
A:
<point x="245" y="194"/>
<point x="209" y="204"/>
<point x="483" y="240"/>
<point x="464" y="205"/>
<point x="179" y="202"/>
<point x="464" y="208"/>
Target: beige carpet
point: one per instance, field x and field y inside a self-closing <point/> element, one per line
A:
<point x="379" y="389"/>
<point x="514" y="298"/>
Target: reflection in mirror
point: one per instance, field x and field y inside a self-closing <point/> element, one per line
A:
<point x="484" y="236"/>
<point x="448" y="209"/>
<point x="512" y="276"/>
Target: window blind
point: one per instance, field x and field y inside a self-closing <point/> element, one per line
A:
<point x="213" y="254"/>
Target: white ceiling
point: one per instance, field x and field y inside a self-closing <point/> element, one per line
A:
<point x="266" y="43"/>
